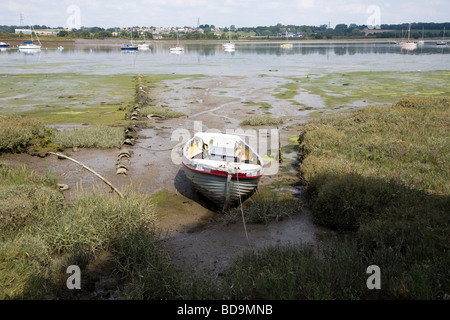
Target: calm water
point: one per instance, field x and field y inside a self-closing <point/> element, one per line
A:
<point x="209" y="58"/>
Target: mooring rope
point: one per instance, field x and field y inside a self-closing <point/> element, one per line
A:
<point x="242" y="209"/>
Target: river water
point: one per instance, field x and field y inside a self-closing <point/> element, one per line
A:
<point x="249" y="58"/>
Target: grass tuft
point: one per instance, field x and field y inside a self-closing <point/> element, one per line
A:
<point x="104" y="137"/>
<point x="261" y="120"/>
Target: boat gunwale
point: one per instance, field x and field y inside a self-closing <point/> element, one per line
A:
<point x="225" y="173"/>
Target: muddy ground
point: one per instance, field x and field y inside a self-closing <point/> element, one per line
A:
<point x="193" y="233"/>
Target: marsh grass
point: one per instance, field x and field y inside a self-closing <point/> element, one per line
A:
<point x="382" y="174"/>
<point x="261" y="120"/>
<point x="25" y="134"/>
<point x="93" y="137"/>
<point x="41" y="233"/>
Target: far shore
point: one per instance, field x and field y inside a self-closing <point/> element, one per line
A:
<point x="57" y="41"/>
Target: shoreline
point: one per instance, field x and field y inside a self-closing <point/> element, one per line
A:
<point x="76" y="41"/>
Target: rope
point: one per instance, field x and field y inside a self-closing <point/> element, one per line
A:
<point x="242" y="209"/>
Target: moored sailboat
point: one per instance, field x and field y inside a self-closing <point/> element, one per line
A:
<point x="176" y="48"/>
<point x="30" y="45"/>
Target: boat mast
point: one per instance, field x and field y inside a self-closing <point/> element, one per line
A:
<point x="32" y="29"/>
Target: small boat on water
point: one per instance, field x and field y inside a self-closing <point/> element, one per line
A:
<point x="409" y="45"/>
<point x="229" y="46"/>
<point x="30" y="45"/>
<point x="223" y="167"/>
<point x="442" y="42"/>
<point x="129" y="46"/>
<point x="144" y="46"/>
<point x="176" y="48"/>
<point x="4" y="45"/>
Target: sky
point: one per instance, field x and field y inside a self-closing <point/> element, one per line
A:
<point x="223" y="13"/>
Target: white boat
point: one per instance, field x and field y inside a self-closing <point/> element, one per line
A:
<point x="144" y="45"/>
<point x="229" y="46"/>
<point x="442" y="42"/>
<point x="421" y="42"/>
<point x="4" y="45"/>
<point x="176" y="48"/>
<point x="409" y="45"/>
<point x="222" y="167"/>
<point x="30" y="45"/>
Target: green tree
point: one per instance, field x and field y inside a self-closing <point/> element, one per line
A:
<point x="63" y="33"/>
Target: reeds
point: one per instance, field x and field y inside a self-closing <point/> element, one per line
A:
<point x="103" y="137"/>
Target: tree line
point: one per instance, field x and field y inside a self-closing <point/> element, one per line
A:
<point x="208" y="32"/>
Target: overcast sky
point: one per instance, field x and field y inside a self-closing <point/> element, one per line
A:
<point x="241" y="13"/>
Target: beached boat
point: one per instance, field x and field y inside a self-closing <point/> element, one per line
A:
<point x="223" y="167"/>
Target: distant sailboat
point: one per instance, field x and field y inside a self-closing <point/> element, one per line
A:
<point x="129" y="46"/>
<point x="421" y="42"/>
<point x="176" y="48"/>
<point x="229" y="46"/>
<point x="144" y="45"/>
<point x="409" y="45"/>
<point x="442" y="42"/>
<point x="29" y="45"/>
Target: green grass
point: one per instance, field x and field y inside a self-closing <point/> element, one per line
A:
<point x="92" y="137"/>
<point x="382" y="174"/>
<point x="25" y="134"/>
<point x="261" y="120"/>
<point x="263" y="105"/>
<point x="41" y="234"/>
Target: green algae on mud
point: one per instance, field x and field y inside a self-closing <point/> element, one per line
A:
<point x="73" y="98"/>
<point x="351" y="88"/>
<point x="66" y="98"/>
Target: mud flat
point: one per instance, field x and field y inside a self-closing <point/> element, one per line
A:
<point x="193" y="232"/>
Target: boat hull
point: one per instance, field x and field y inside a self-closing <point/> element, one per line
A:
<point x="223" y="190"/>
<point x="30" y="47"/>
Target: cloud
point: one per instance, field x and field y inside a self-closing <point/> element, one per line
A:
<point x="305" y="3"/>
